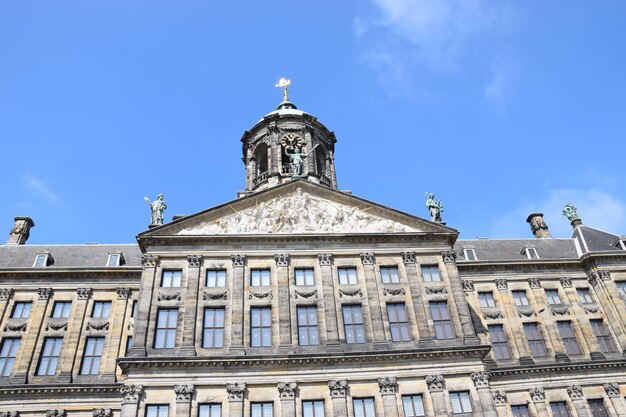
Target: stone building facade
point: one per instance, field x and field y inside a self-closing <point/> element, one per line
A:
<point x="300" y="300"/>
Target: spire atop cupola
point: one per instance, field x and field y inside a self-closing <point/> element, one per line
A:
<point x="288" y="144"/>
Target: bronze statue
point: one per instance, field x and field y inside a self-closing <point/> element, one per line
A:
<point x="157" y="207"/>
<point x="569" y="211"/>
<point x="435" y="208"/>
<point x="296" y="161"/>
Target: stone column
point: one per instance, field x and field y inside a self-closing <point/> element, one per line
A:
<point x="120" y="309"/>
<point x="548" y="320"/>
<point x="190" y="317"/>
<point x="419" y="305"/>
<point x="184" y="393"/>
<point x="236" y="345"/>
<point x="481" y="382"/>
<point x="539" y="400"/>
<point x="284" y="306"/>
<point x="500" y="400"/>
<point x="435" y="386"/>
<point x="236" y="393"/>
<point x="338" y="394"/>
<point x="512" y="317"/>
<point x="373" y="297"/>
<point x="287" y="393"/>
<point x="599" y="280"/>
<point x="588" y="342"/>
<point x="130" y="399"/>
<point x="612" y="391"/>
<point x="75" y="328"/>
<point x="144" y="304"/>
<point x="388" y="389"/>
<point x="578" y="399"/>
<point x="328" y="288"/>
<point x="5" y="296"/>
<point x="469" y="334"/>
<point x="37" y="313"/>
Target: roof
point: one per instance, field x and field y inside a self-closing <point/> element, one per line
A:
<point x="69" y="256"/>
<point x="513" y="249"/>
<point x="596" y="240"/>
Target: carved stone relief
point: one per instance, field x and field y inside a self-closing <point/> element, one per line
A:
<point x="131" y="393"/>
<point x="84" y="293"/>
<point x="123" y="293"/>
<point x="575" y="392"/>
<point x="534" y="283"/>
<point x="481" y="379"/>
<point x="164" y="296"/>
<point x="435" y="382"/>
<point x="261" y="295"/>
<point x="502" y="284"/>
<point x="388" y="385"/>
<point x="338" y="388"/>
<point x="236" y="391"/>
<point x="468" y="285"/>
<point x="215" y="295"/>
<point x="287" y="390"/>
<point x="15" y="325"/>
<point x="195" y="261"/>
<point x="566" y="282"/>
<point x="408" y="257"/>
<point x="184" y="392"/>
<point x="305" y="294"/>
<point x="436" y="290"/>
<point x="500" y="398"/>
<point x="325" y="259"/>
<point x="149" y="261"/>
<point x="537" y="394"/>
<point x="394" y="291"/>
<point x="103" y="412"/>
<point x="5" y="293"/>
<point x="350" y="293"/>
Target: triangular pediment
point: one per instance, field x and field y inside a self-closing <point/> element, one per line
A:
<point x="297" y="208"/>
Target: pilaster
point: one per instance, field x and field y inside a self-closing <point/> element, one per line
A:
<point x="284" y="307"/>
<point x="419" y="304"/>
<point x="131" y="395"/>
<point x="575" y="393"/>
<point x="188" y="347"/>
<point x="469" y="334"/>
<point x="617" y="400"/>
<point x="556" y="344"/>
<point x="538" y="397"/>
<point x="338" y="393"/>
<point x="75" y="328"/>
<point x="287" y="393"/>
<point x="481" y="382"/>
<point x="368" y="260"/>
<point x="435" y="385"/>
<point x="184" y="394"/>
<point x="144" y="305"/>
<point x="328" y="288"/>
<point x="239" y="263"/>
<point x="5" y="296"/>
<point x="501" y="401"/>
<point x="236" y="394"/>
<point x="602" y="278"/>
<point x="512" y="317"/>
<point x="388" y="390"/>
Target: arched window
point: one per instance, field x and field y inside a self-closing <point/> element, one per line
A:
<point x="320" y="161"/>
<point x="261" y="159"/>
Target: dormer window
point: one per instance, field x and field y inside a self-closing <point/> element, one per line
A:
<point x="531" y="253"/>
<point x="41" y="260"/>
<point x="470" y="254"/>
<point x="621" y="244"/>
<point x="114" y="259"/>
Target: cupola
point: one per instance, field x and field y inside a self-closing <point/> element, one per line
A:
<point x="288" y="144"/>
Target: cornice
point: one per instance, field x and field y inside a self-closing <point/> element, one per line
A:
<point x="61" y="273"/>
<point x="471" y="352"/>
<point x="557" y="367"/>
<point x="517" y="264"/>
<point x="13" y="390"/>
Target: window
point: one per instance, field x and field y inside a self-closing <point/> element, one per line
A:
<point x="621" y="287"/>
<point x="569" y="337"/>
<point x="304" y="276"/>
<point x="61" y="309"/>
<point x="21" y="310"/>
<point x="114" y="259"/>
<point x="261" y="326"/>
<point x="389" y="274"/>
<point x="602" y="334"/>
<point x="499" y="342"/>
<point x="213" y="331"/>
<point x="313" y="408"/>
<point x="50" y="355"/>
<point x="442" y="320"/>
<point x="165" y="335"/>
<point x="597" y="408"/>
<point x="347" y="275"/>
<point x="535" y="340"/>
<point x="353" y="324"/>
<point x="171" y="279"/>
<point x="519" y="296"/>
<point x="157" y="410"/>
<point x="470" y="254"/>
<point x="129" y="345"/>
<point x="8" y="352"/>
<point x="413" y="405"/>
<point x="133" y="309"/>
<point x="91" y="358"/>
<point x="216" y="278"/>
<point x="584" y="295"/>
<point x="101" y="309"/>
<point x="261" y="410"/>
<point x="553" y="297"/>
<point x="364" y="407"/>
<point x="621" y="244"/>
<point x="460" y="402"/>
<point x="260" y="277"/>
<point x="41" y="261"/>
<point x="210" y="410"/>
<point x="520" y="411"/>
<point x="559" y="410"/>
<point x="398" y="323"/>
<point x="430" y="273"/>
<point x="307" y="326"/>
<point x="486" y="299"/>
<point x="531" y="253"/>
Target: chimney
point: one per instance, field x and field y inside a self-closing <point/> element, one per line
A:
<point x="538" y="226"/>
<point x="20" y="231"/>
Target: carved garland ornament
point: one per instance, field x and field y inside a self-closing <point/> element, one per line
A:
<point x="559" y="310"/>
<point x="394" y="291"/>
<point x="299" y="212"/>
<point x="169" y="297"/>
<point x="436" y="290"/>
<point x="492" y="313"/>
<point x="350" y="293"/>
<point x="215" y="296"/>
<point x="15" y="327"/>
<point x="305" y="294"/>
<point x="57" y="325"/>
<point x="261" y="295"/>
<point x="97" y="326"/>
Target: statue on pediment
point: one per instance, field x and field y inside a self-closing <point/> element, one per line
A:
<point x="435" y="208"/>
<point x="157" y="207"/>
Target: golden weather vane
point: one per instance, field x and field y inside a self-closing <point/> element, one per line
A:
<point x="284" y="83"/>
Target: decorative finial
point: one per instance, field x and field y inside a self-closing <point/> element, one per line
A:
<point x="284" y="83"/>
<point x="157" y="207"/>
<point x="569" y="211"/>
<point x="434" y="207"/>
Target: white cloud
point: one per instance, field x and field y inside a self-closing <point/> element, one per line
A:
<point x="40" y="186"/>
<point x="597" y="208"/>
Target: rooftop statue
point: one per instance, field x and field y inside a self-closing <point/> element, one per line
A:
<point x="569" y="211"/>
<point x="434" y="207"/>
<point x="296" y="161"/>
<point x="157" y="207"/>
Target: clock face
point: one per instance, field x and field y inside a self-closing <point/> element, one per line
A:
<point x="291" y="141"/>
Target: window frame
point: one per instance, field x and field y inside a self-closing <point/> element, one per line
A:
<point x="566" y="331"/>
<point x="402" y="327"/>
<point x="101" y="309"/>
<point x="584" y="295"/>
<point x="603" y="336"/>
<point x="220" y="278"/>
<point x="91" y="360"/>
<point x="531" y="253"/>
<point x="523" y="301"/>
<point x="170" y="333"/>
<point x="386" y="277"/>
<point x="487" y="301"/>
<point x="458" y="396"/>
<point x="262" y="405"/>
<point x="159" y="408"/>
<point x="56" y="348"/>
<point x="307" y="328"/>
<point x="352" y="328"/>
<point x="175" y="276"/>
<point x="536" y="340"/>
<point x="550" y="298"/>
<point x="211" y="412"/>
<point x="621" y="288"/>
<point x="9" y="346"/>
<point x="314" y="408"/>
<point x="264" y="273"/>
<point x="118" y="261"/>
<point x="442" y="325"/>
<point x="43" y="256"/>
<point x="262" y="328"/>
<point x="348" y="276"/>
<point x="22" y="306"/>
<point x="301" y="276"/>
<point x="520" y="410"/>
<point x="63" y="313"/>
<point x="362" y="403"/>
<point x="467" y="252"/>
<point x="563" y="410"/>
<point x="501" y="344"/>
<point x="410" y="398"/>
<point x="430" y="268"/>
<point x="217" y="332"/>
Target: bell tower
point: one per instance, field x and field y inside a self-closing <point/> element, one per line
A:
<point x="288" y="144"/>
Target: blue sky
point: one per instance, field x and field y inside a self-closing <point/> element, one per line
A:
<point x="500" y="108"/>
